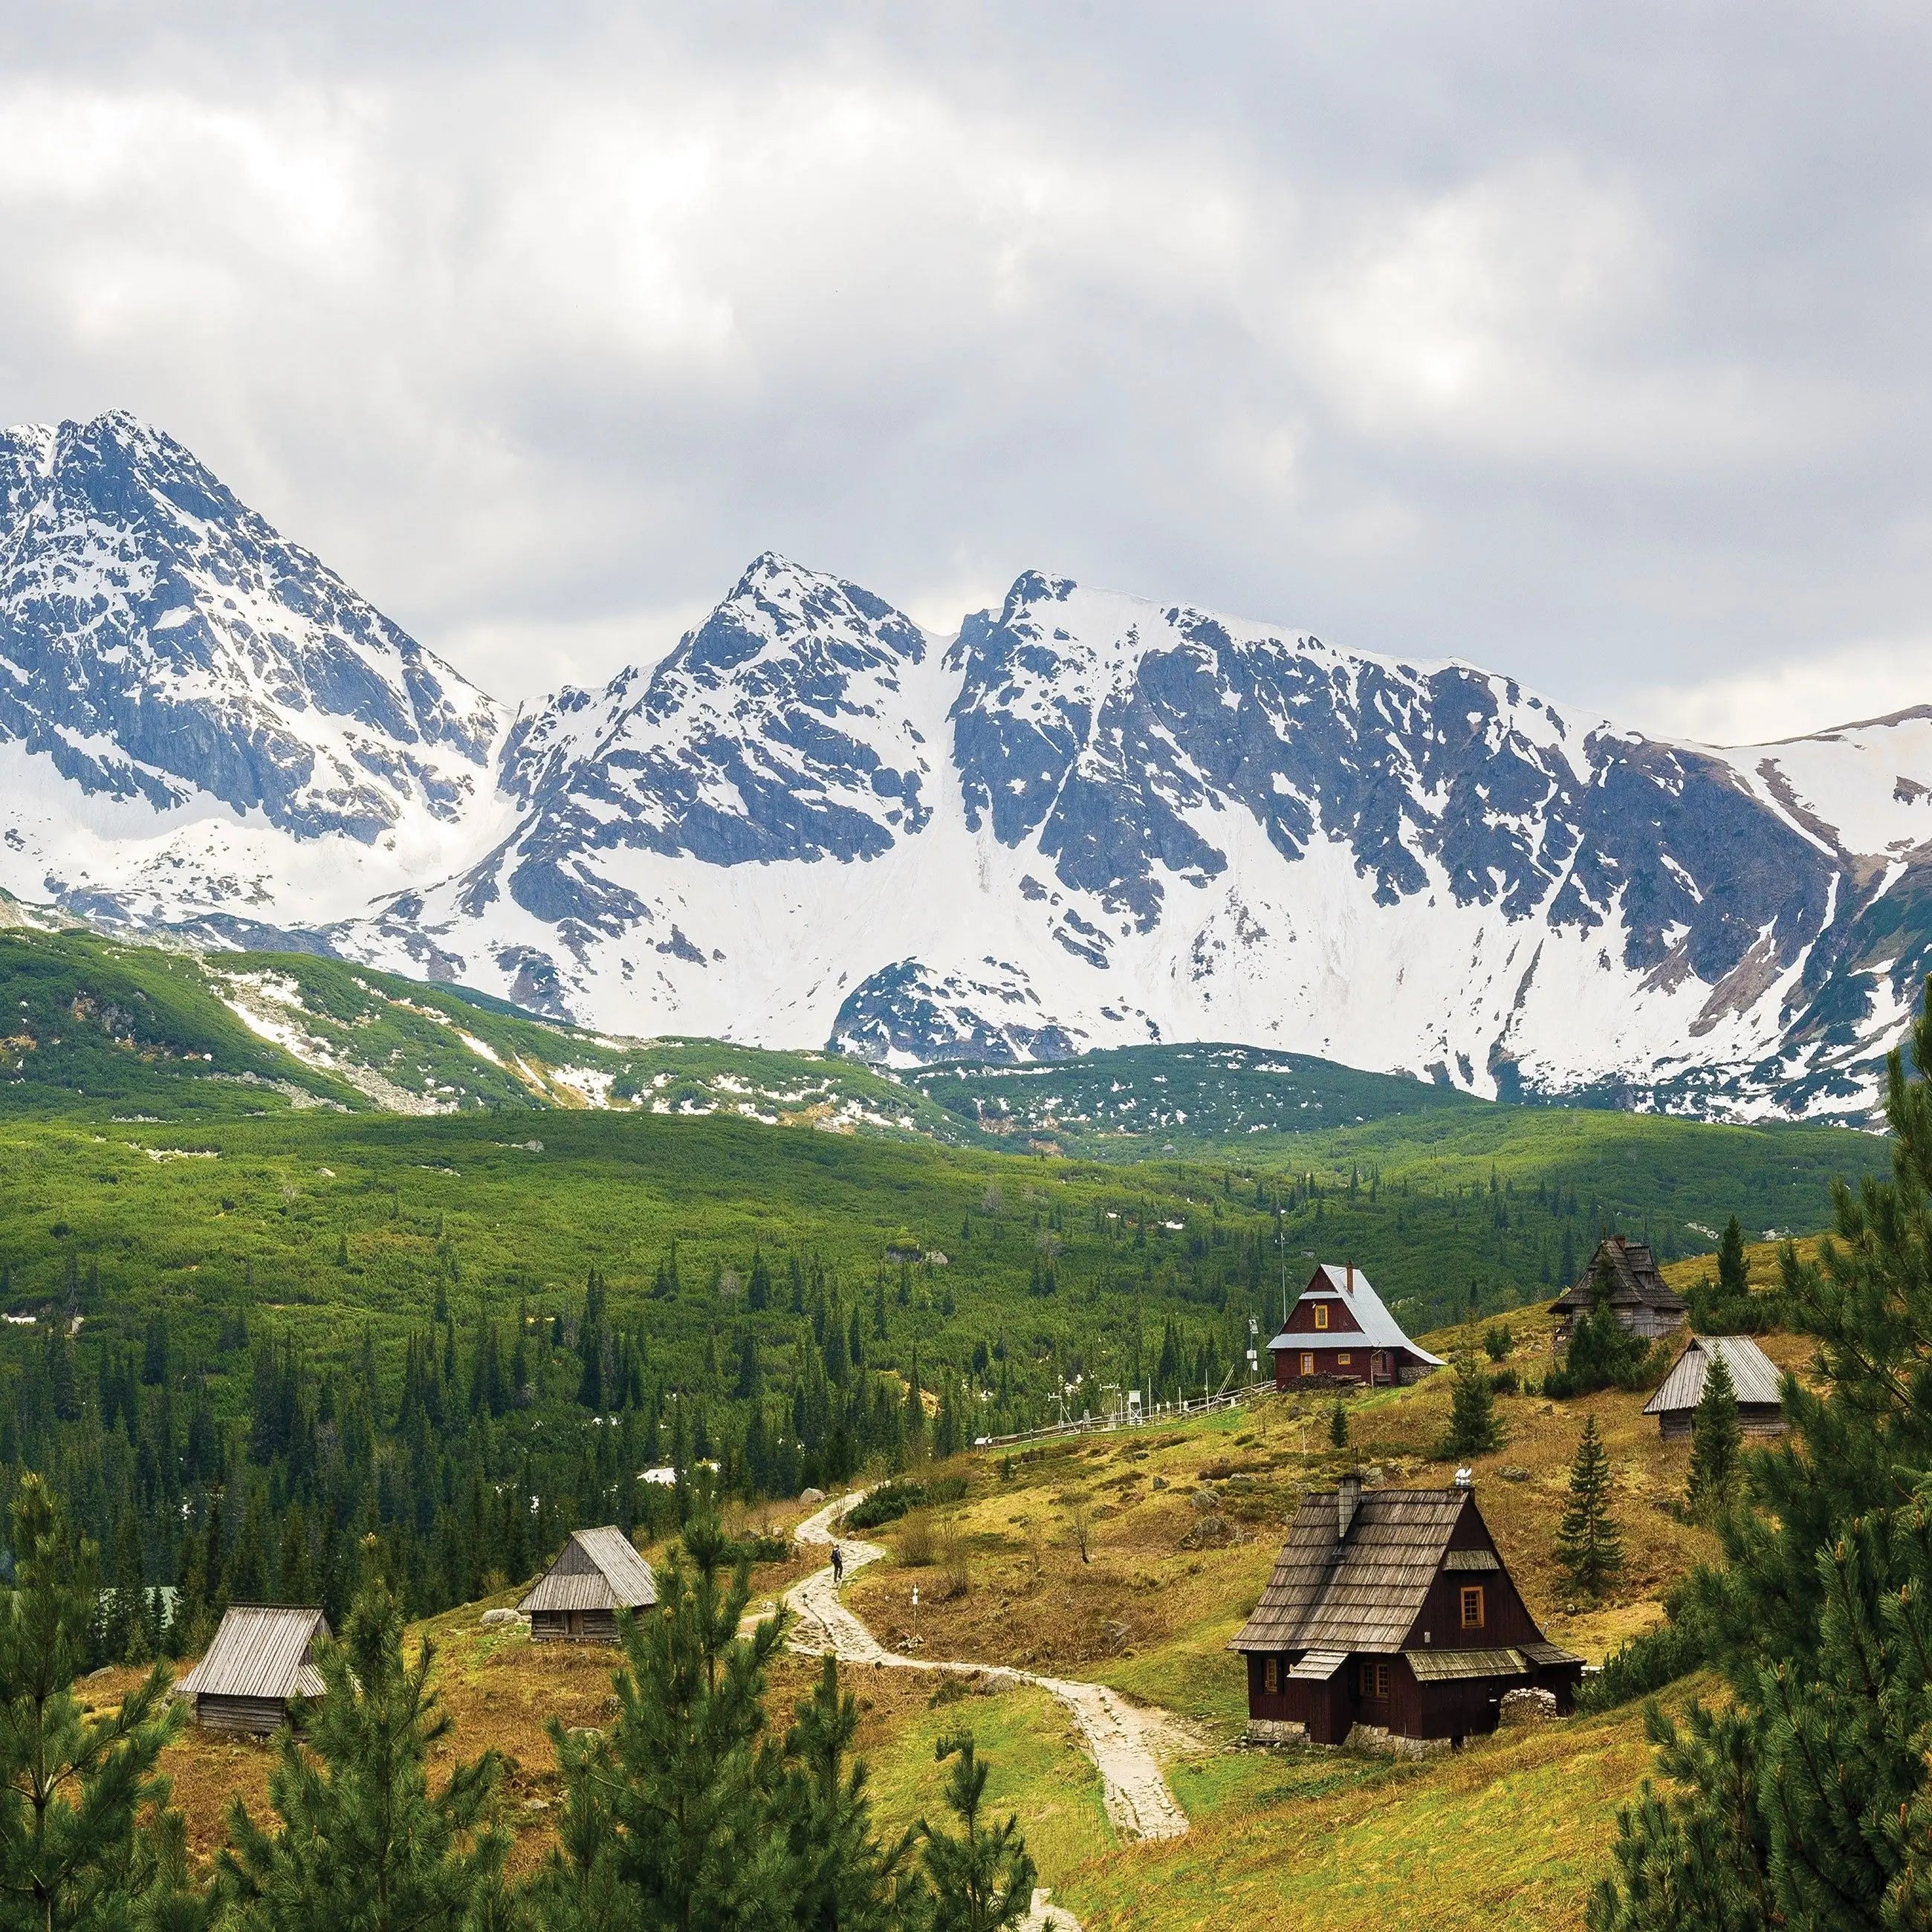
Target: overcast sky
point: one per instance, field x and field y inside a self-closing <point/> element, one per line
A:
<point x="1588" y="343"/>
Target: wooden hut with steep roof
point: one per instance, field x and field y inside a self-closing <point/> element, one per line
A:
<point x="596" y="1574"/>
<point x="1754" y="1376"/>
<point x="1390" y="1620"/>
<point x="261" y="1660"/>
<point x="1340" y="1331"/>
<point x="1624" y="1272"/>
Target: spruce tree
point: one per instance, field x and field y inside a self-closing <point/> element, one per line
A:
<point x="981" y="1876"/>
<point x="1474" y="1429"/>
<point x="1718" y="1451"/>
<point x="1588" y="1544"/>
<point x="86" y="1834"/>
<point x="361" y="1842"/>
<point x="1338" y="1424"/>
<point x="1733" y="1276"/>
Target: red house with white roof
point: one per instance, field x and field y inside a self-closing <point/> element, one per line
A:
<point x="1339" y="1330"/>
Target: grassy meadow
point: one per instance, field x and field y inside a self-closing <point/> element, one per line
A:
<point x="1130" y="1559"/>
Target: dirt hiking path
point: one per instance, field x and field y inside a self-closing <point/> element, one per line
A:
<point x="1138" y="1802"/>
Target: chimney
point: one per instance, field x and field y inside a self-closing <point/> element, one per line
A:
<point x="1347" y="1495"/>
<point x="1352" y="1277"/>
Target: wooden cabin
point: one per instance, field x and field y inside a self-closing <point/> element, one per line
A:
<point x="1625" y="1272"/>
<point x="1391" y="1621"/>
<point x="596" y="1574"/>
<point x="261" y="1658"/>
<point x="1754" y="1375"/>
<point x="1339" y="1331"/>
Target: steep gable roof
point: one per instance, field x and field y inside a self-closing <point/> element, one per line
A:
<point x="596" y="1570"/>
<point x="1753" y="1374"/>
<point x="1379" y="1329"/>
<point x="261" y="1650"/>
<point x="1634" y="1282"/>
<point x="1365" y="1592"/>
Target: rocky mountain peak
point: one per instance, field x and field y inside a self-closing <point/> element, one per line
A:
<point x="164" y="642"/>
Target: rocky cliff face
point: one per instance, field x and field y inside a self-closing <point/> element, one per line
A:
<point x="1086" y="820"/>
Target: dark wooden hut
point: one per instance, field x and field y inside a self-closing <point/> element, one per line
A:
<point x="1624" y="1272"/>
<point x="596" y="1574"/>
<point x="1339" y="1330"/>
<point x="1390" y="1620"/>
<point x="261" y="1658"/>
<point x="1754" y="1375"/>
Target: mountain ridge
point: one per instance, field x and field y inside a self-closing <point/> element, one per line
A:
<point x="1086" y="819"/>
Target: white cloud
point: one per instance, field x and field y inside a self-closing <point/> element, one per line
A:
<point x="1572" y="361"/>
<point x="1757" y="706"/>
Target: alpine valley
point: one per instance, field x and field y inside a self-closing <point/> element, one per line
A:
<point x="1084" y="821"/>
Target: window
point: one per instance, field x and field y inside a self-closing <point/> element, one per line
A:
<point x="1343" y="1359"/>
<point x="1271" y="1675"/>
<point x="1308" y="1365"/>
<point x="1472" y="1606"/>
<point x="1375" y="1678"/>
<point x="1321" y="1315"/>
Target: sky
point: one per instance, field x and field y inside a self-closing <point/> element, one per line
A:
<point x="1588" y="344"/>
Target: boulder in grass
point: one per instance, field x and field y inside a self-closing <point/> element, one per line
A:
<point x="495" y="1619"/>
<point x="811" y="1495"/>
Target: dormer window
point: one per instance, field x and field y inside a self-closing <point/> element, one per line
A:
<point x="1321" y="1315"/>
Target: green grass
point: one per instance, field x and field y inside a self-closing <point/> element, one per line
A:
<point x="1039" y="1769"/>
<point x="1510" y="1833"/>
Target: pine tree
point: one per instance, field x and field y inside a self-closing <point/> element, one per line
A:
<point x="1589" y="1545"/>
<point x="1338" y="1424"/>
<point x="1808" y="1798"/>
<point x="673" y="1809"/>
<point x="1716" y="1451"/>
<point x="362" y="1841"/>
<point x="847" y="1881"/>
<point x="84" y="1830"/>
<point x="1474" y="1429"/>
<point x="981" y="1876"/>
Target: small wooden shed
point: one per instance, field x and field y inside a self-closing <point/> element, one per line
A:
<point x="1625" y="1273"/>
<point x="596" y="1574"/>
<point x="261" y="1658"/>
<point x="1754" y="1375"/>
<point x="1391" y="1621"/>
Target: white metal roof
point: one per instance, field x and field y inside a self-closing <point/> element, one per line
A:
<point x="1753" y="1374"/>
<point x="1379" y="1328"/>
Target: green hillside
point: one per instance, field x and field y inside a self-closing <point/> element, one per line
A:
<point x="93" y="1020"/>
<point x="1128" y="1102"/>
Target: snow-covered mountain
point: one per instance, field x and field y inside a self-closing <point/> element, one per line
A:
<point x="198" y="719"/>
<point x="1087" y="820"/>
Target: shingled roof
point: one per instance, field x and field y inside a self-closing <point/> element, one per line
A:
<point x="1634" y="1281"/>
<point x="1353" y="1290"/>
<point x="596" y="1570"/>
<point x="1363" y="1593"/>
<point x="1753" y="1374"/>
<point x="260" y="1650"/>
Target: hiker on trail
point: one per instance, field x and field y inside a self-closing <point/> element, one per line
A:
<point x="837" y="1566"/>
